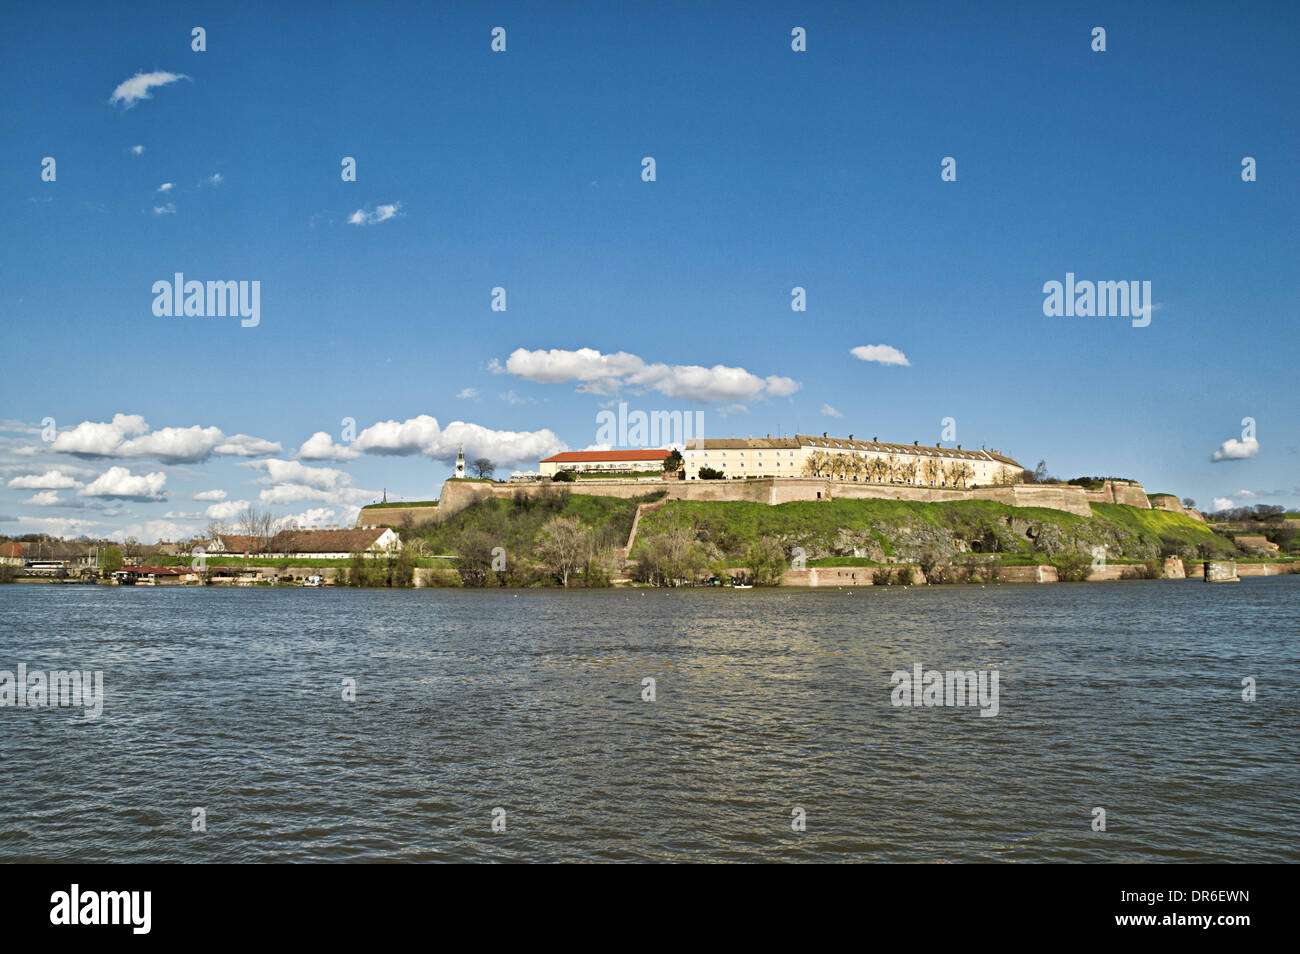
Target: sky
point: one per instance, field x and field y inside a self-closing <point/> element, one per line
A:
<point x="377" y="352"/>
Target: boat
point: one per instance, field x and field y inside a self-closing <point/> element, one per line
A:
<point x="742" y="586"/>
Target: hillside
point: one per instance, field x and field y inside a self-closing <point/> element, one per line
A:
<point x="699" y="538"/>
<point x="895" y="530"/>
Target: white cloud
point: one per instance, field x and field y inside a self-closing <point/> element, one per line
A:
<point x="293" y="472"/>
<point x="781" y="387"/>
<point x="131" y="91"/>
<point x="98" y="439"/>
<point x="166" y="187"/>
<point x="467" y="393"/>
<point x="1223" y="503"/>
<point x="50" y="480"/>
<point x="213" y="180"/>
<point x="138" y="150"/>
<point x="881" y="354"/>
<point x="1233" y="449"/>
<point x="1246" y="493"/>
<point x="380" y="213"/>
<point x="207" y="495"/>
<point x="320" y="446"/>
<point x="344" y="496"/>
<point x="315" y="517"/>
<point x="423" y="435"/>
<point x="173" y="445"/>
<point x="241" y="445"/>
<point x="129" y="436"/>
<point x="121" y="484"/>
<point x="60" y="526"/>
<point x="598" y="373"/>
<point x="46" y="498"/>
<point x="168" y="209"/>
<point x="226" y="510"/>
<point x="830" y="411"/>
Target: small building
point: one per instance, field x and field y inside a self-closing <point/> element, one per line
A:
<point x="13" y="554"/>
<point x="606" y="461"/>
<point x="153" y="575"/>
<point x="308" y="544"/>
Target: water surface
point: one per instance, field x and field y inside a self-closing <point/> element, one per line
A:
<point x="1123" y="695"/>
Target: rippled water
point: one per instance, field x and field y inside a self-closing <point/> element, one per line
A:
<point x="1125" y="696"/>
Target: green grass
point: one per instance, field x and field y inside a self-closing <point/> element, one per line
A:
<point x="516" y="524"/>
<point x="816" y="525"/>
<point x="826" y="528"/>
<point x="1164" y="527"/>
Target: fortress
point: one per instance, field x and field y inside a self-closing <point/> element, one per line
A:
<point x="779" y="470"/>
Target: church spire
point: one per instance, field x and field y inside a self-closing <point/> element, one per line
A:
<point x="460" y="461"/>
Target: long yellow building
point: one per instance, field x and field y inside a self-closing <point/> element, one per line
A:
<point x="872" y="461"/>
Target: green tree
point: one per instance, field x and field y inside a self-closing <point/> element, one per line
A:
<point x="765" y="561"/>
<point x="110" y="560"/>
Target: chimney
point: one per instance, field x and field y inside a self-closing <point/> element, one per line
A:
<point x="959" y="447"/>
<point x="850" y="437"/>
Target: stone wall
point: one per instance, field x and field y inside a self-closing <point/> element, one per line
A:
<point x="457" y="494"/>
<point x="1219" y="571"/>
<point x="396" y="516"/>
<point x="1167" y="502"/>
<point x="1128" y="492"/>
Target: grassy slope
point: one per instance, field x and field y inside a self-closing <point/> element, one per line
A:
<point x="516" y="528"/>
<point x="816" y="525"/>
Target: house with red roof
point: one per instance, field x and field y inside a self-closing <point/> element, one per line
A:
<point x="605" y="461"/>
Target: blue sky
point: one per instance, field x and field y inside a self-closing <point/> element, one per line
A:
<point x="522" y="169"/>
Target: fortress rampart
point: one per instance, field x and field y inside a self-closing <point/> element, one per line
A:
<point x="458" y="494"/>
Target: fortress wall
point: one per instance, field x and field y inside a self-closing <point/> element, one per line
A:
<point x="457" y="494"/>
<point x="1128" y="492"/>
<point x="1168" y="502"/>
<point x="1131" y="494"/>
<point x="395" y="516"/>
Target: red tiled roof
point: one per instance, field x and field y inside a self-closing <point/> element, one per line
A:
<point x="12" y="549"/>
<point x="575" y="457"/>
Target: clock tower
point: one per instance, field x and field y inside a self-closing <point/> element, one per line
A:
<point x="460" y="462"/>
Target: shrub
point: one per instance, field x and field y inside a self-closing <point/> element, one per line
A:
<point x="882" y="576"/>
<point x="1072" y="566"/>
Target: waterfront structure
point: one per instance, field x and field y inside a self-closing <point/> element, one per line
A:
<point x="307" y="544"/>
<point x="847" y="459"/>
<point x="605" y="461"/>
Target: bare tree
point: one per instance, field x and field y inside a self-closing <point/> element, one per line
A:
<point x="563" y="547"/>
<point x="483" y="467"/>
<point x="258" y="527"/>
